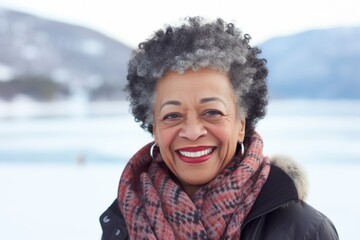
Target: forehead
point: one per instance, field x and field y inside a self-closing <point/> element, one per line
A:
<point x="202" y="82"/>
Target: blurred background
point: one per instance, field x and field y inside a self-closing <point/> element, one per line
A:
<point x="66" y="132"/>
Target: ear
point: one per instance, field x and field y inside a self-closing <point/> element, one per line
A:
<point x="154" y="132"/>
<point x="242" y="130"/>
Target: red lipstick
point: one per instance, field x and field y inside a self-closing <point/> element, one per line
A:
<point x="195" y="155"/>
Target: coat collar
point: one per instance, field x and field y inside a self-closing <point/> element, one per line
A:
<point x="279" y="190"/>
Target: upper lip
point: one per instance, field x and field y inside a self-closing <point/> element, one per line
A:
<point x="194" y="149"/>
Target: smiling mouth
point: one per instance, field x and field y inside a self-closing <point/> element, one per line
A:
<point x="195" y="155"/>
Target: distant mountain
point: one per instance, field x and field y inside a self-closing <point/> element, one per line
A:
<point x="315" y="64"/>
<point x="71" y="55"/>
<point x="35" y="51"/>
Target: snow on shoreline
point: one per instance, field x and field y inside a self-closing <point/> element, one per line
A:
<point x="65" y="201"/>
<point x="23" y="107"/>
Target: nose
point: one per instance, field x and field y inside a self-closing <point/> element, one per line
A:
<point x="192" y="129"/>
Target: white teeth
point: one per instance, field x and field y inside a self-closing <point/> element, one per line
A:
<point x="196" y="154"/>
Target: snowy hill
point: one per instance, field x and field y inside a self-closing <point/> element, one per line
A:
<point x="315" y="64"/>
<point x="49" y="60"/>
<point x="71" y="55"/>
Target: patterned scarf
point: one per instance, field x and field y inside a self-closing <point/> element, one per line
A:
<point x="155" y="206"/>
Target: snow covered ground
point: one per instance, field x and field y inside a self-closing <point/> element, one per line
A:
<point x="46" y="194"/>
<point x="41" y="202"/>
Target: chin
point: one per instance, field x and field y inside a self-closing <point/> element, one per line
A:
<point x="198" y="180"/>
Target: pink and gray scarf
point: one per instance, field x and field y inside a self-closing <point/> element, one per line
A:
<point x="155" y="206"/>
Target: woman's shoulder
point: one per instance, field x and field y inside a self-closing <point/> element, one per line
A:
<point x="280" y="210"/>
<point x="296" y="221"/>
<point x="302" y="221"/>
<point x="113" y="224"/>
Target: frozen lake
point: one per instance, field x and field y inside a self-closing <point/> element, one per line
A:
<point x="57" y="174"/>
<point x="320" y="131"/>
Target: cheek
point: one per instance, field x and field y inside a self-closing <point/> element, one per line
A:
<point x="223" y="134"/>
<point x="165" y="137"/>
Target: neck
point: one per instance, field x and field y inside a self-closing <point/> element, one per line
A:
<point x="190" y="189"/>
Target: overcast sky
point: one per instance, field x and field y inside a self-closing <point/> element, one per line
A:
<point x="133" y="21"/>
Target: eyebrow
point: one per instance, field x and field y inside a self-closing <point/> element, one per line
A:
<point x="202" y="101"/>
<point x="210" y="99"/>
<point x="171" y="102"/>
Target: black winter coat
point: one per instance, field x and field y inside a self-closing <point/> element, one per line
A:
<point x="277" y="214"/>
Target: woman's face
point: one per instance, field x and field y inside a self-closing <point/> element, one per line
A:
<point x="196" y="125"/>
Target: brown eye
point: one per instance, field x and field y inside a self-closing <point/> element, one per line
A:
<point x="171" y="116"/>
<point x="213" y="113"/>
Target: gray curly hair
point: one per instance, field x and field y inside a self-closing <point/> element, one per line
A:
<point x="194" y="45"/>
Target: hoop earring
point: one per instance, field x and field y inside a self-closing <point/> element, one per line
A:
<point x="242" y="148"/>
<point x="152" y="150"/>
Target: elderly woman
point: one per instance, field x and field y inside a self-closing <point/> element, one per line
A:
<point x="199" y="89"/>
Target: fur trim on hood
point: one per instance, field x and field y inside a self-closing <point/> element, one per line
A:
<point x="295" y="171"/>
